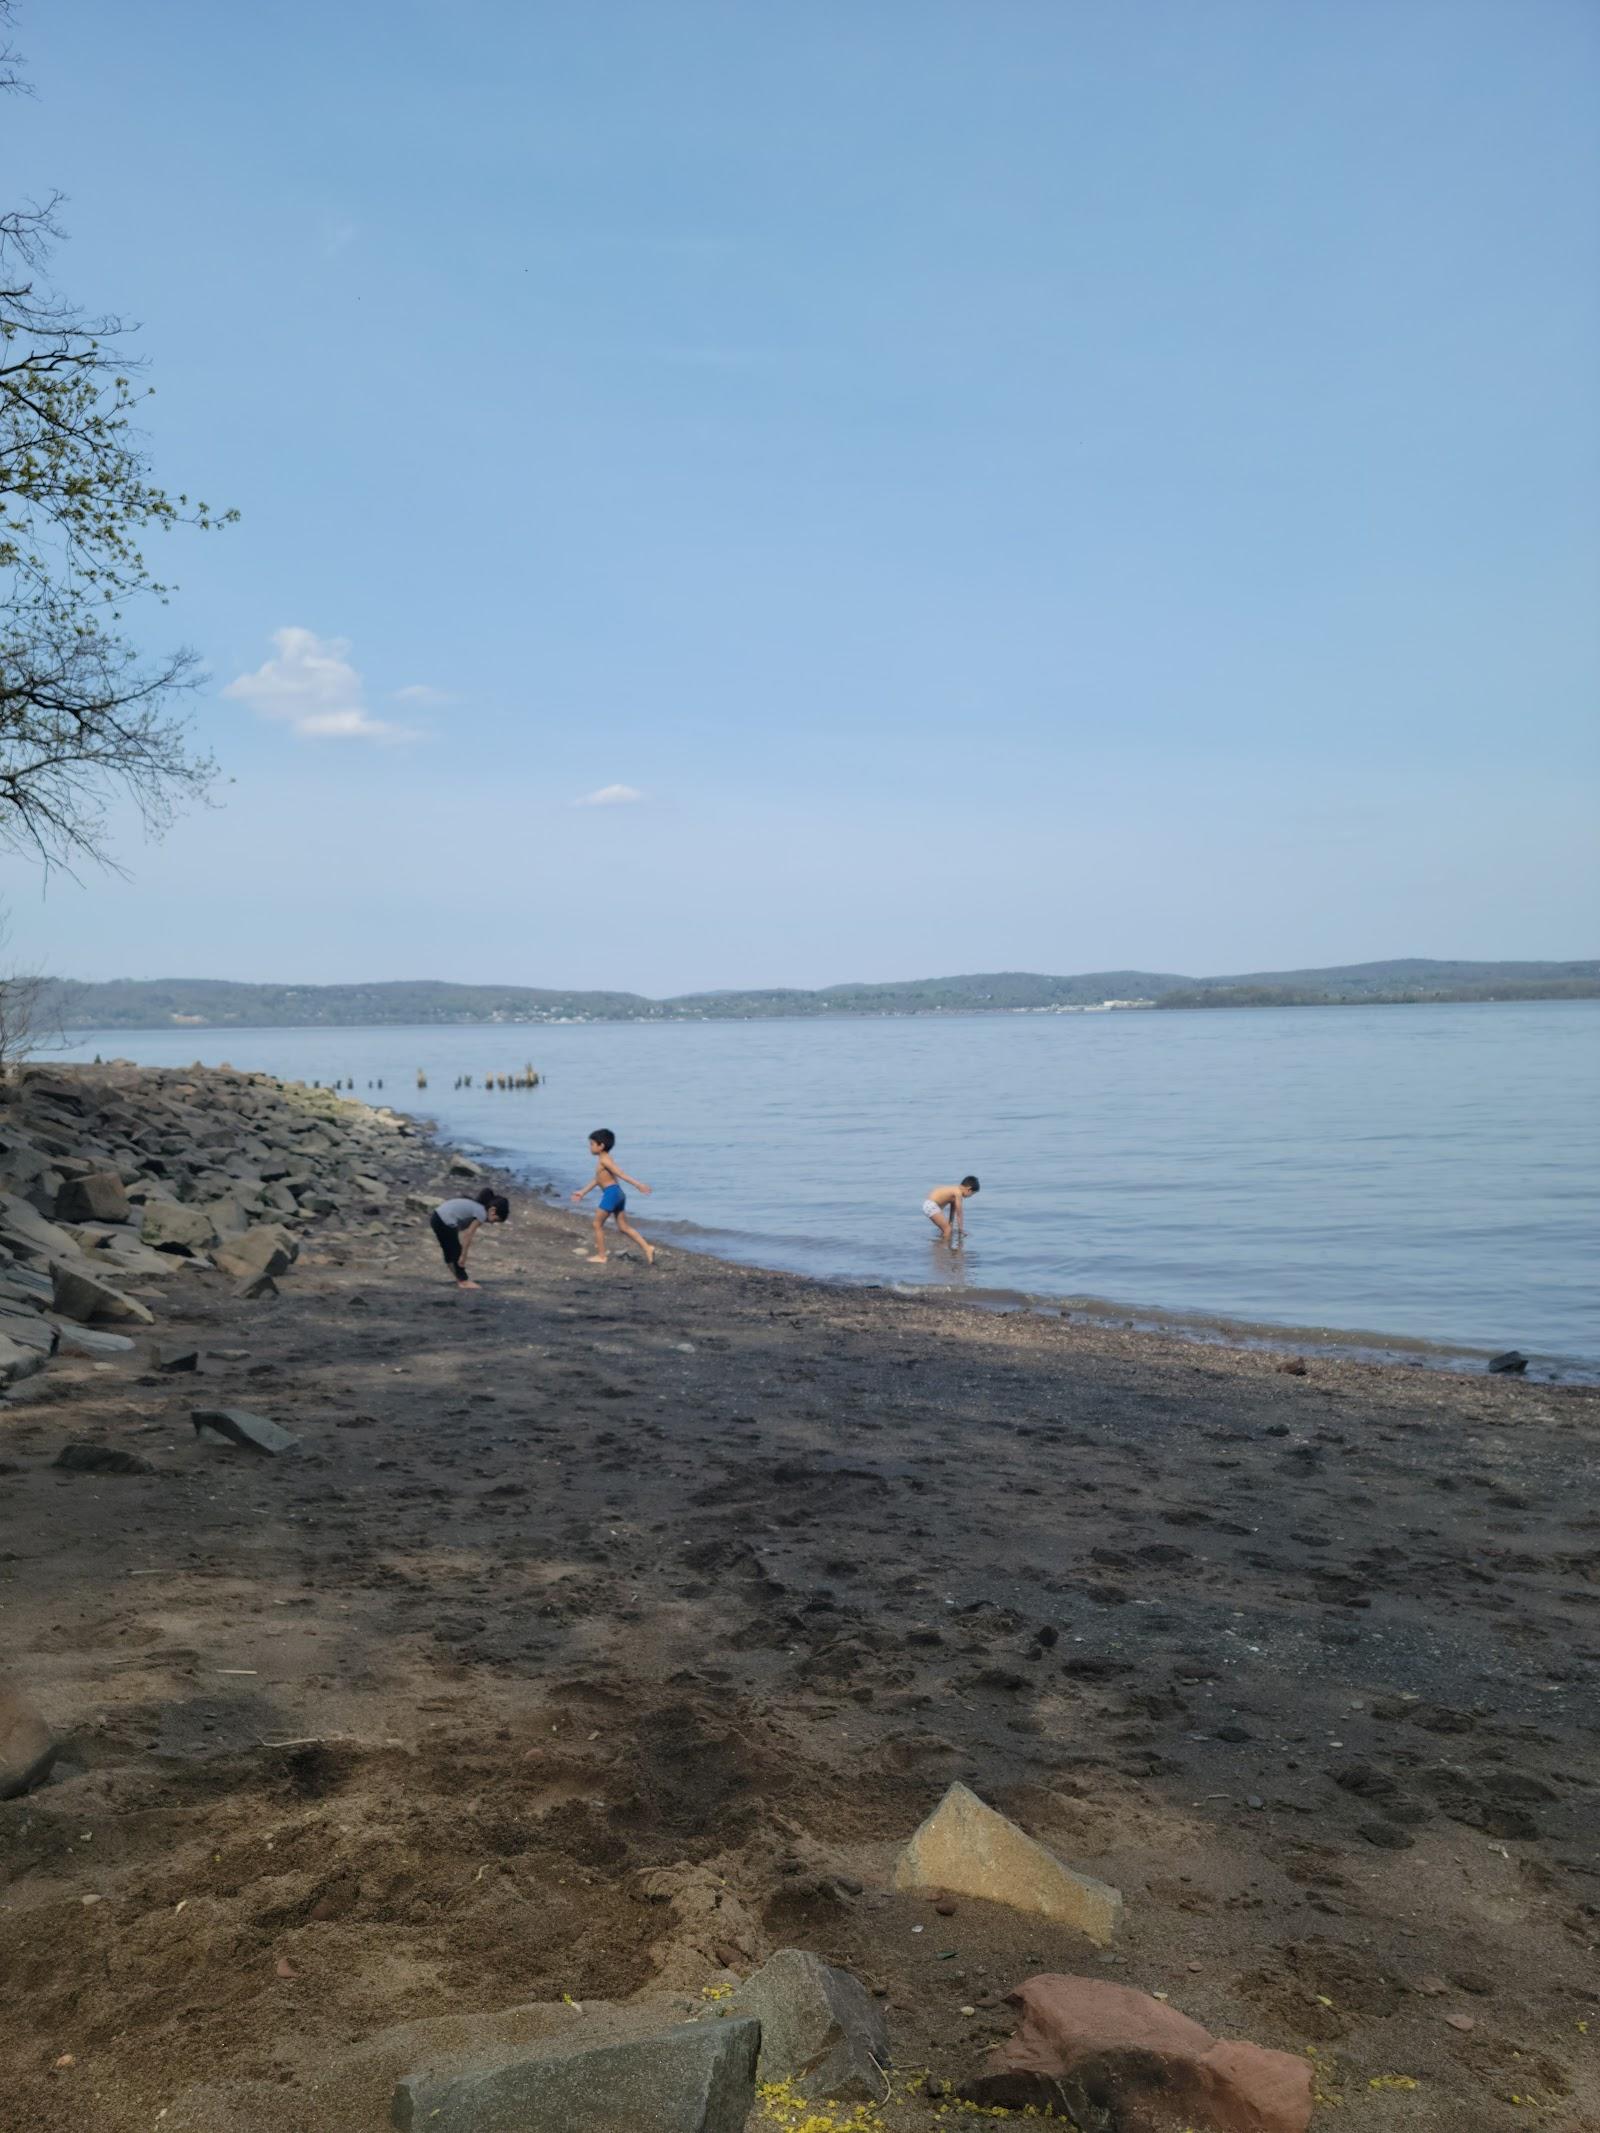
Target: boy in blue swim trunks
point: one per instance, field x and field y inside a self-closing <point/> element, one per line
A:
<point x="613" y="1200"/>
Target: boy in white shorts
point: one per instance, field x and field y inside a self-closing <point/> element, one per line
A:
<point x="945" y="1207"/>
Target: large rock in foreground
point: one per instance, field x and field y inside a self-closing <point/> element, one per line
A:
<point x="27" y="1746"/>
<point x="821" y="2030"/>
<point x="80" y="1295"/>
<point x="1093" y="2051"/>
<point x="966" y="1849"/>
<point x="351" y="2089"/>
<point x="698" y="2077"/>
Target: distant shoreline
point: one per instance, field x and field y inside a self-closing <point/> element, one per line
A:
<point x="223" y="1003"/>
<point x="1463" y="996"/>
<point x="1227" y="999"/>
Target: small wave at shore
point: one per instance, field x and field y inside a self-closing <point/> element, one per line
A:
<point x="811" y="1256"/>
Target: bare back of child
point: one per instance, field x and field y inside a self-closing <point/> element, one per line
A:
<point x="608" y="1180"/>
<point x="946" y="1208"/>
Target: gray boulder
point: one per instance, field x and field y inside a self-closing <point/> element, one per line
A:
<point x="27" y="1746"/>
<point x="350" y="2088"/>
<point x="25" y="1285"/>
<point x="197" y="1185"/>
<point x="90" y="1340"/>
<point x="40" y="1192"/>
<point x="99" y="1197"/>
<point x="147" y="1187"/>
<point x="228" y="1215"/>
<point x="19" y="1360"/>
<point x="20" y="1160"/>
<point x="170" y="1226"/>
<point x="250" y="1433"/>
<point x="27" y="1327"/>
<point x="85" y="1458"/>
<point x="120" y="1249"/>
<point x="698" y="2077"/>
<point x="83" y="1296"/>
<point x="268" y="1249"/>
<point x="26" y="1233"/>
<point x="821" y="2030"/>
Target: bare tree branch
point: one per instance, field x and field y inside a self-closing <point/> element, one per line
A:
<point x="11" y="75"/>
<point x="83" y="714"/>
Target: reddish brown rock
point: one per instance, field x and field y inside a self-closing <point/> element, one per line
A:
<point x="1086" y="2047"/>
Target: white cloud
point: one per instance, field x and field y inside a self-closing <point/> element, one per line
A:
<point x="311" y="687"/>
<point x="610" y="796"/>
<point x="343" y="725"/>
<point x="418" y="692"/>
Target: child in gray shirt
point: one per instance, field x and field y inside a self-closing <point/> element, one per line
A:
<point x="456" y="1222"/>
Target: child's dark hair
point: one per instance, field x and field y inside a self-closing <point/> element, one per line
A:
<point x="606" y="1138"/>
<point x="971" y="1184"/>
<point x="494" y="1203"/>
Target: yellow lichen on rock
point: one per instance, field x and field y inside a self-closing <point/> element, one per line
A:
<point x="784" y="2108"/>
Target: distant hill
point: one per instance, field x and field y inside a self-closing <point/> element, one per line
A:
<point x="219" y="1003"/>
<point x="998" y="991"/>
<point x="1398" y="983"/>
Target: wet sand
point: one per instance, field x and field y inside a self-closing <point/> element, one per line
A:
<point x="613" y="1627"/>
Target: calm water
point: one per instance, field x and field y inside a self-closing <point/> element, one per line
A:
<point x="1424" y="1173"/>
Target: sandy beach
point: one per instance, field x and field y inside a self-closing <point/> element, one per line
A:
<point x="612" y="1628"/>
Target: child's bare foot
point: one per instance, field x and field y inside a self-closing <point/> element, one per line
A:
<point x="469" y="1284"/>
<point x="649" y="1255"/>
<point x="597" y="1259"/>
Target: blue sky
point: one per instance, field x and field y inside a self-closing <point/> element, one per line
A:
<point x="1036" y="484"/>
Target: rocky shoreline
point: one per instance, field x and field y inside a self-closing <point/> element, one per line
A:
<point x="588" y="1652"/>
<point x="113" y="1177"/>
